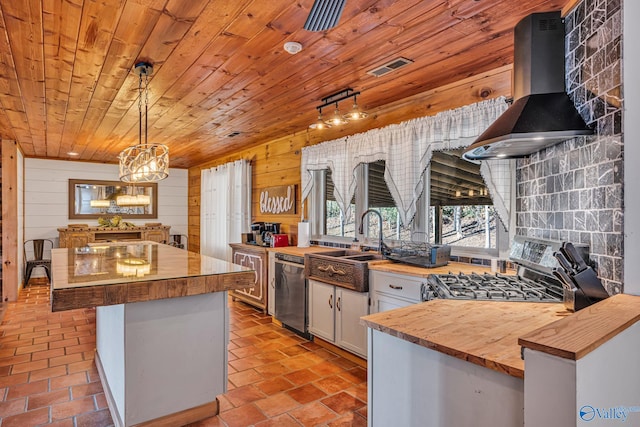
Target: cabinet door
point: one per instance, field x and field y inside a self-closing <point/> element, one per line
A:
<point x="350" y="334"/>
<point x="271" y="286"/>
<point x="255" y="295"/>
<point x="77" y="239"/>
<point x="321" y="310"/>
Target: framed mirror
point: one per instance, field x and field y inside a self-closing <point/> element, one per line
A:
<point x="92" y="199"/>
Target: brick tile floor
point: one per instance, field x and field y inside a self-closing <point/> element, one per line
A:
<point x="48" y="376"/>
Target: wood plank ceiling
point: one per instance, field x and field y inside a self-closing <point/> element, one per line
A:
<point x="67" y="82"/>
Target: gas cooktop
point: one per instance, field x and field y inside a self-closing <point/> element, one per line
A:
<point x="485" y="287"/>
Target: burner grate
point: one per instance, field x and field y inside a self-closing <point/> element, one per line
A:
<point x="486" y="287"/>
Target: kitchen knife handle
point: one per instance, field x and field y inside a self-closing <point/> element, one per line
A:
<point x="564" y="262"/>
<point x="574" y="256"/>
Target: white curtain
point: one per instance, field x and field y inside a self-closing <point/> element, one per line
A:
<point x="225" y="207"/>
<point x="406" y="149"/>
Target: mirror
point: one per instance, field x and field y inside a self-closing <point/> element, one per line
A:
<point x="94" y="199"/>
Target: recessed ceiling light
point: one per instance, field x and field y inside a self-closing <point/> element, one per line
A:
<point x="72" y="153"/>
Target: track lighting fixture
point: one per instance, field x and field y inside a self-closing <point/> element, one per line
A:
<point x="337" y="118"/>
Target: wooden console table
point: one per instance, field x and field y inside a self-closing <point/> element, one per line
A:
<point x="72" y="237"/>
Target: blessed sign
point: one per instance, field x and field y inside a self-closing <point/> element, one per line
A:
<point x="278" y="200"/>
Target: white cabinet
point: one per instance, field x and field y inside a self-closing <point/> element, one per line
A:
<point x="271" y="284"/>
<point x="322" y="310"/>
<point x="334" y="315"/>
<point x="391" y="290"/>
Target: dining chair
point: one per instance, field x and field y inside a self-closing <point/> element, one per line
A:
<point x="37" y="253"/>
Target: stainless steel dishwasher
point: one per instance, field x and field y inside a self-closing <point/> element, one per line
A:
<point x="291" y="293"/>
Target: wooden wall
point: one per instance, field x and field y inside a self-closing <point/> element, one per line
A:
<point x="277" y="162"/>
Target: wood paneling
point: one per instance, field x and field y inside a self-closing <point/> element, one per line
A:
<point x="10" y="266"/>
<point x="278" y="162"/>
<point x="219" y="67"/>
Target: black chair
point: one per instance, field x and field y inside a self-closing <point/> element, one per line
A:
<point x="37" y="253"/>
<point x="178" y="241"/>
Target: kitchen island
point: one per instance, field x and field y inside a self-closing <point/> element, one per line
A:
<point x="451" y="362"/>
<point x="161" y="325"/>
<point x="462" y="362"/>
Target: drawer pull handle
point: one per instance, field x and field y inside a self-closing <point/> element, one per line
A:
<point x="331" y="301"/>
<point x="396" y="287"/>
<point x="338" y="304"/>
<point x="331" y="270"/>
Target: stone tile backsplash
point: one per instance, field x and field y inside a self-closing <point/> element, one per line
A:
<point x="574" y="190"/>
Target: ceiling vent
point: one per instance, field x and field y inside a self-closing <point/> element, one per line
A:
<point x="390" y="66"/>
<point x="324" y="15"/>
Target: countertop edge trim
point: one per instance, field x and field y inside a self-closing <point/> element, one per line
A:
<point x="626" y="310"/>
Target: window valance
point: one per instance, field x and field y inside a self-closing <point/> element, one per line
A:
<point x="406" y="149"/>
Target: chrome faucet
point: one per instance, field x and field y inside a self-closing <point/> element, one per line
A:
<point x="361" y="228"/>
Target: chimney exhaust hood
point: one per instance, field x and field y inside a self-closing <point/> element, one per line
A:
<point x="542" y="113"/>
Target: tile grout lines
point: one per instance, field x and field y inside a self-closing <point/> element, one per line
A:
<point x="47" y="373"/>
<point x="48" y="376"/>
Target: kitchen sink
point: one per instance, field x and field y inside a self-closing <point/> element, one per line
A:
<point x="345" y="268"/>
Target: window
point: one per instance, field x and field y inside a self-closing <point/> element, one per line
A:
<point x="459" y="213"/>
<point x="462" y="213"/>
<point x="379" y="198"/>
<point x="335" y="223"/>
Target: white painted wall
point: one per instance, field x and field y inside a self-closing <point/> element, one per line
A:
<point x="46" y="196"/>
<point x="631" y="132"/>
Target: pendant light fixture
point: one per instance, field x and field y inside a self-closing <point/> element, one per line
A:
<point x="320" y="123"/>
<point x="133" y="199"/>
<point x="356" y="113"/>
<point x="100" y="202"/>
<point x="337" y="118"/>
<point x="144" y="162"/>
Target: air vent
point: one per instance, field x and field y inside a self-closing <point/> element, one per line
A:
<point x="232" y="134"/>
<point x="389" y="67"/>
<point x="324" y="15"/>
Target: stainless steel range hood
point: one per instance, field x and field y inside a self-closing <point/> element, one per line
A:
<point x="542" y="113"/>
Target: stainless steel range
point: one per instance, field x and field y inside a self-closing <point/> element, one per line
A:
<point x="536" y="279"/>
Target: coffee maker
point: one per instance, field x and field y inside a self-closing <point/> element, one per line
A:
<point x="270" y="228"/>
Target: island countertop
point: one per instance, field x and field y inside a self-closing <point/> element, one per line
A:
<point x="126" y="272"/>
<point x="482" y="332"/>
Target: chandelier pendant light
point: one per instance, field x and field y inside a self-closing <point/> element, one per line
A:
<point x="337" y="118"/>
<point x="144" y="162"/>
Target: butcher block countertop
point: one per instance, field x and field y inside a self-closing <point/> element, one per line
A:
<point x="577" y="335"/>
<point x="482" y="332"/>
<point x="452" y="267"/>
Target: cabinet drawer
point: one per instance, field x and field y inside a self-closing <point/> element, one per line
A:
<point x="396" y="285"/>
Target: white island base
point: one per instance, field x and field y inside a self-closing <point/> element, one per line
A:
<point x="163" y="362"/>
<point x="414" y="386"/>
